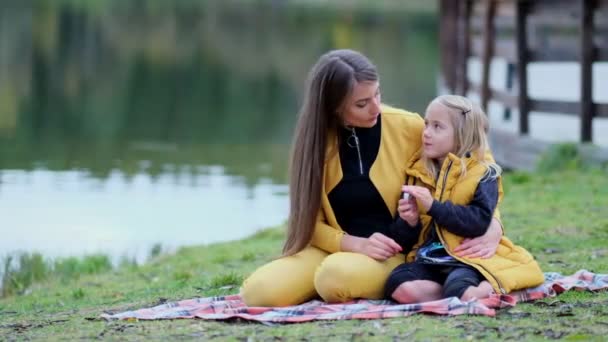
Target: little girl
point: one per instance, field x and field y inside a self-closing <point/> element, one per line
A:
<point x="452" y="191"/>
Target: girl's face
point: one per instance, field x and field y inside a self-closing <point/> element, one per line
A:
<point x="438" y="134"/>
<point x="362" y="107"/>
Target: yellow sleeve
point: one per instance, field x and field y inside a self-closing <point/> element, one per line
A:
<point x="326" y="237"/>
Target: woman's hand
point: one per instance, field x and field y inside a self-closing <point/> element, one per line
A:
<point x="422" y="194"/>
<point x="408" y="211"/>
<point x="378" y="246"/>
<point x="482" y="246"/>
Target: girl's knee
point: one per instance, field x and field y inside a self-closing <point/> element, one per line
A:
<point x="405" y="293"/>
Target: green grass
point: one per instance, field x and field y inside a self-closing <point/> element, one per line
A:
<point x="560" y="217"/>
<point x="19" y="274"/>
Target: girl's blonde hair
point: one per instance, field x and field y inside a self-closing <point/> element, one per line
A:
<point x="471" y="127"/>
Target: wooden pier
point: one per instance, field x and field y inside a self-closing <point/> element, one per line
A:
<point x="523" y="32"/>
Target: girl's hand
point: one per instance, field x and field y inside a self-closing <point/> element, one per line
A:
<point x="482" y="246"/>
<point x="422" y="194"/>
<point x="408" y="211"/>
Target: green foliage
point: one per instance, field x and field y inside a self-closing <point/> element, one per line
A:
<point x="221" y="257"/>
<point x="17" y="277"/>
<point x="68" y="268"/>
<point x="269" y="234"/>
<point x="78" y="293"/>
<point x="128" y="263"/>
<point x="517" y="177"/>
<point x="226" y="279"/>
<point x="182" y="276"/>
<point x="98" y="263"/>
<point x="155" y="251"/>
<point x="72" y="267"/>
<point x="571" y="156"/>
<point x="122" y="111"/>
<point x="32" y="268"/>
<point x="248" y="256"/>
<point x="560" y="157"/>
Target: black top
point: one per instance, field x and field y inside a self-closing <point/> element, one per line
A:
<point x="357" y="204"/>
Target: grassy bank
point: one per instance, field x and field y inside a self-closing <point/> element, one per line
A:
<point x="560" y="217"/>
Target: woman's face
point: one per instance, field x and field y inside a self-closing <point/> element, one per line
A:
<point x="438" y="134"/>
<point x="362" y="107"/>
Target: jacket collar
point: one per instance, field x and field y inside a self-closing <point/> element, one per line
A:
<point x="455" y="164"/>
<point x="333" y="168"/>
<point x="417" y="169"/>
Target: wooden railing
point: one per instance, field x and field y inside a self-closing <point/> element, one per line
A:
<point x="522" y="32"/>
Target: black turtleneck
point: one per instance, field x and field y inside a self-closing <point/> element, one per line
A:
<point x="359" y="208"/>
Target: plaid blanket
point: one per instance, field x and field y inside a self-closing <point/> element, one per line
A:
<point x="232" y="306"/>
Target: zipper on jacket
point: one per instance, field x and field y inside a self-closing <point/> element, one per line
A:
<point x="500" y="287"/>
<point x="445" y="177"/>
<point x="356" y="138"/>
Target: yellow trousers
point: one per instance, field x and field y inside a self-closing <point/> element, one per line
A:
<point x="337" y="277"/>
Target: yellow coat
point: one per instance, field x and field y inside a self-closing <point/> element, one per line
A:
<point x="512" y="267"/>
<point x="401" y="137"/>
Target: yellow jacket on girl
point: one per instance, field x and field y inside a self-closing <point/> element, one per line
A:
<point x="512" y="267"/>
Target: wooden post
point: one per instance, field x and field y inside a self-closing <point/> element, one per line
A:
<point x="522" y="64"/>
<point x="464" y="44"/>
<point x="587" y="49"/>
<point x="488" y="52"/>
<point x="448" y="38"/>
<point x="509" y="87"/>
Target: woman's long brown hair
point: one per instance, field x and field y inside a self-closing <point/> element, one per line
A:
<point x="329" y="83"/>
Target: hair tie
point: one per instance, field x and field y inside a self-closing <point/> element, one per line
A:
<point x="465" y="112"/>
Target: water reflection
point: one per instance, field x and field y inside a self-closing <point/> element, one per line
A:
<point x="71" y="212"/>
<point x="125" y="123"/>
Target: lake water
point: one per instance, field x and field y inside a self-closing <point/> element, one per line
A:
<point x="124" y="124"/>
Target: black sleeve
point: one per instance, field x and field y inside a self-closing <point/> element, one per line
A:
<point x="404" y="234"/>
<point x="468" y="220"/>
